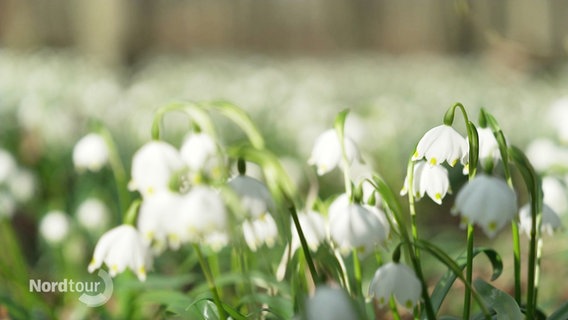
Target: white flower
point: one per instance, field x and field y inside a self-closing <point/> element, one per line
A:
<point x="398" y="281"/>
<point x="22" y="185"/>
<point x="90" y="153"/>
<point x="441" y="143"/>
<point x="7" y="165"/>
<point x="197" y="150"/>
<point x="354" y="226"/>
<point x="93" y="214"/>
<point x="54" y="226"/>
<point x="119" y="248"/>
<point x="554" y="195"/>
<point x="254" y="195"/>
<point x="313" y="226"/>
<point x="330" y="304"/>
<point x="558" y="115"/>
<point x="153" y="166"/>
<point x="327" y="154"/>
<point x="261" y="230"/>
<point x="550" y="220"/>
<point x="428" y="179"/>
<point x="545" y="154"/>
<point x="158" y="220"/>
<point x="488" y="202"/>
<point x="216" y="240"/>
<point x="201" y="212"/>
<point x="489" y="152"/>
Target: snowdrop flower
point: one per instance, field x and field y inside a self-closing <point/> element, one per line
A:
<point x="313" y="226"/>
<point x="7" y="165"/>
<point x="549" y="223"/>
<point x="430" y="180"/>
<point x="327" y="154"/>
<point x="545" y="154"/>
<point x="441" y="143"/>
<point x="158" y="220"/>
<point x="488" y="202"/>
<point x="153" y="166"/>
<point x="90" y="153"/>
<point x="201" y="212"/>
<point x="398" y="281"/>
<point x="330" y="304"/>
<point x="197" y="150"/>
<point x="119" y="248"/>
<point x="489" y="152"/>
<point x="261" y="230"/>
<point x="354" y="226"/>
<point x="54" y="226"/>
<point x="254" y="195"/>
<point x="216" y="240"/>
<point x="554" y="194"/>
<point x="93" y="214"/>
<point x="22" y="185"/>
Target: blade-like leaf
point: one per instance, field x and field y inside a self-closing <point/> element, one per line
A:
<point x="504" y="305"/>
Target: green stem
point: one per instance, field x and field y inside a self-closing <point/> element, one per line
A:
<point x="517" y="260"/>
<point x="411" y="203"/>
<point x="357" y="271"/>
<point x="304" y="244"/>
<point x="210" y="282"/>
<point x="469" y="272"/>
<point x="117" y="167"/>
<point x="394" y="309"/>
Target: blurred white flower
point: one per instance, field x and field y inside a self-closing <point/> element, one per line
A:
<point x="558" y="117"/>
<point x="259" y="231"/>
<point x="197" y="150"/>
<point x="253" y="194"/>
<point x="119" y="248"/>
<point x="201" y="212"/>
<point x="428" y="179"/>
<point x="545" y="154"/>
<point x="216" y="240"/>
<point x="330" y="304"/>
<point x="93" y="214"/>
<point x="549" y="223"/>
<point x="354" y="226"/>
<point x="488" y="147"/>
<point x="327" y="154"/>
<point x="486" y="201"/>
<point x="22" y="185"/>
<point x="153" y="166"/>
<point x="90" y="153"/>
<point x="7" y="165"/>
<point x="441" y="143"/>
<point x="54" y="226"/>
<point x="158" y="220"/>
<point x="398" y="281"/>
<point x="7" y="205"/>
<point x="313" y="226"/>
<point x="555" y="194"/>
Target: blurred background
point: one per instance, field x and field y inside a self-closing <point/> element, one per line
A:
<point x="398" y="65"/>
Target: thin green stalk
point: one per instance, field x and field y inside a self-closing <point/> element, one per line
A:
<point x="118" y="171"/>
<point x="469" y="272"/>
<point x="411" y="203"/>
<point x="394" y="309"/>
<point x="304" y="244"/>
<point x="534" y="257"/>
<point x="516" y="260"/>
<point x="210" y="282"/>
<point x="357" y="271"/>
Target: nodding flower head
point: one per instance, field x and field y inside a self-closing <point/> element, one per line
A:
<point x="253" y="194"/>
<point x="441" y="143"/>
<point x="90" y="153"/>
<point x="398" y="281"/>
<point x="430" y="180"/>
<point x="549" y="223"/>
<point x="327" y="152"/>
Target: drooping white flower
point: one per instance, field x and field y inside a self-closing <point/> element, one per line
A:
<point x="441" y="143"/>
<point x="313" y="226"/>
<point x="54" y="226"/>
<point x="153" y="166"/>
<point x="327" y="152"/>
<point x="7" y="165"/>
<point x="216" y="240"/>
<point x="354" y="226"/>
<point x="201" y="212"/>
<point x="398" y="281"/>
<point x="488" y="147"/>
<point x="549" y="223"/>
<point x="330" y="304"/>
<point x="119" y="248"/>
<point x="428" y="179"/>
<point x="486" y="201"/>
<point x="253" y="194"/>
<point x="93" y="214"/>
<point x="197" y="150"/>
<point x="259" y="231"/>
<point x="555" y="194"/>
<point x="90" y="153"/>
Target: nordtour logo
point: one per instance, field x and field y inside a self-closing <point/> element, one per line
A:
<point x="93" y="293"/>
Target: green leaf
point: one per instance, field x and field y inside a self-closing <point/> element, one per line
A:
<point x="473" y="140"/>
<point x="443" y="286"/>
<point x="561" y="313"/>
<point x="241" y="119"/>
<point x="504" y="305"/>
<point x="197" y="114"/>
<point x="174" y="301"/>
